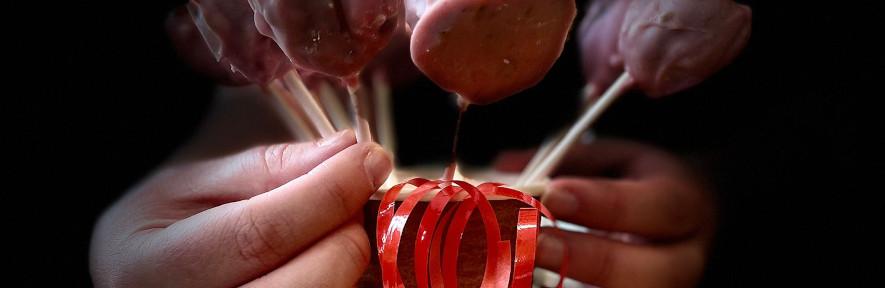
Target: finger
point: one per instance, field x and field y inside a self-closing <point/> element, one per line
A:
<point x="616" y="158"/>
<point x="513" y="161"/>
<point x="338" y="260"/>
<point x="606" y="263"/>
<point x="265" y="231"/>
<point x="327" y="196"/>
<point x="248" y="173"/>
<point x="657" y="208"/>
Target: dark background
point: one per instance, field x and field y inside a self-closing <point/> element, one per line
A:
<point x="102" y="99"/>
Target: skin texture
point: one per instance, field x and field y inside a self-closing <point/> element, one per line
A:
<point x="226" y="211"/>
<point x="488" y="50"/>
<point x="227" y="29"/>
<point x="334" y="37"/>
<point x="598" y="39"/>
<point x="671" y="45"/>
<point x="662" y="213"/>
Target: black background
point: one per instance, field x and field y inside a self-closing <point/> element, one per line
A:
<point x="100" y="99"/>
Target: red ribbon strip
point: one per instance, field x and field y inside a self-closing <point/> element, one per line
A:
<point x="526" y="241"/>
<point x="426" y="232"/>
<point x="439" y="230"/>
<point x="436" y="274"/>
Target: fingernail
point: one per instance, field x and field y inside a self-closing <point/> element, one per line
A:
<point x="550" y="249"/>
<point x="377" y="165"/>
<point x="334" y="138"/>
<point x="561" y="203"/>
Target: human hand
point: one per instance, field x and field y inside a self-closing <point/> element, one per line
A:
<point x="276" y="215"/>
<point x="630" y="189"/>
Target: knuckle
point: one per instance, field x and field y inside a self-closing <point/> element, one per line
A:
<point x="258" y="237"/>
<point x="337" y="192"/>
<point x="272" y="156"/>
<point x="356" y="245"/>
<point x="273" y="159"/>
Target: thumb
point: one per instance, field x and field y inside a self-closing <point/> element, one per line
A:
<point x="267" y="230"/>
<point x="247" y="173"/>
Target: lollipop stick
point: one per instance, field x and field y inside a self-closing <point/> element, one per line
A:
<point x="589" y="97"/>
<point x="552" y="160"/>
<point x="363" y="131"/>
<point x="289" y="112"/>
<point x="539" y="156"/>
<point x="333" y="106"/>
<point x="383" y="112"/>
<point x="307" y="102"/>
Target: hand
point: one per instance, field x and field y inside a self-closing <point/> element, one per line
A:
<point x="270" y="216"/>
<point x="631" y="189"/>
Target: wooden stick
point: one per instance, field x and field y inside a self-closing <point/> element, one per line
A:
<point x="289" y="112"/>
<point x="307" y="102"/>
<point x="383" y="112"/>
<point x="588" y="98"/>
<point x="363" y="131"/>
<point x="365" y="104"/>
<point x="540" y="155"/>
<point x="333" y="106"/>
<point x="624" y="83"/>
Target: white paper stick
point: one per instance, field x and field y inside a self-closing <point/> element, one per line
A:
<point x="588" y="97"/>
<point x="333" y="106"/>
<point x="307" y="102"/>
<point x="363" y="131"/>
<point x="289" y="113"/>
<point x="539" y="156"/>
<point x="384" y="112"/>
<point x="550" y="162"/>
